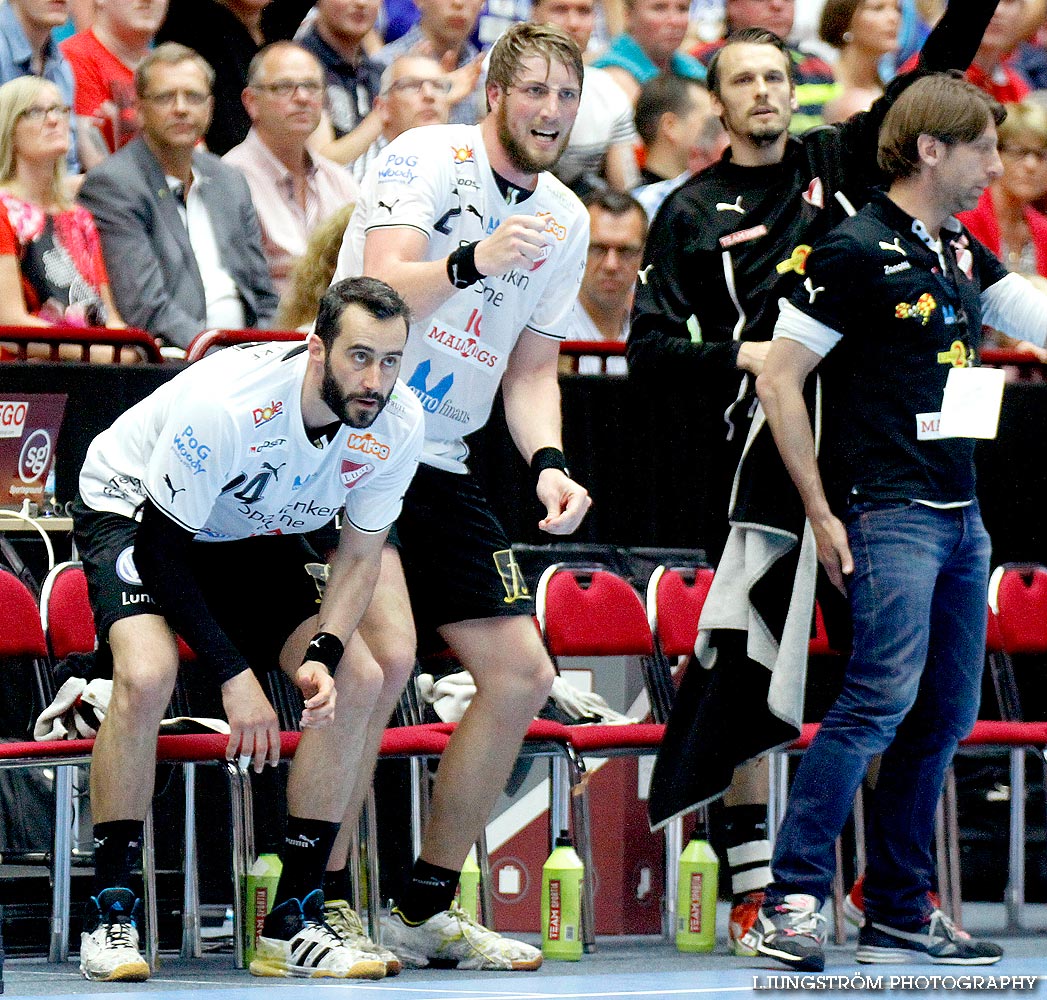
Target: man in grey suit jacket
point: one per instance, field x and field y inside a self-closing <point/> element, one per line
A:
<point x="181" y="240"/>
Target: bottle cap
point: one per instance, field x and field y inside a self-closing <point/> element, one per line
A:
<point x="564" y="840"/>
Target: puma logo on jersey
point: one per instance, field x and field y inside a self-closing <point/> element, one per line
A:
<point x="642" y="275"/>
<point x="724" y="206"/>
<point x="275" y="470"/>
<point x="389" y="208"/>
<point x="472" y="209"/>
<point x="895" y="247"/>
<point x="812" y="292"/>
<point x="171" y="487"/>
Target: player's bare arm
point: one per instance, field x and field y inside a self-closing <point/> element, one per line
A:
<point x="531" y="394"/>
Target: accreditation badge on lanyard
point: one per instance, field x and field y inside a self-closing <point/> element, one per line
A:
<point x="971" y="405"/>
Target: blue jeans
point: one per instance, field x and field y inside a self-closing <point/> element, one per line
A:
<point x="910" y="693"/>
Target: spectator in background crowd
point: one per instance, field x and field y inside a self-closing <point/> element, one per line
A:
<point x="415" y="91"/>
<point x="671" y="115"/>
<point x="293" y="189"/>
<point x="617" y="230"/>
<point x="312" y="273"/>
<point x="650" y="44"/>
<point x="336" y="38"/>
<point x="863" y="31"/>
<point x="812" y="77"/>
<point x="443" y="32"/>
<point x="104" y="58"/>
<point x="1005" y="220"/>
<point x="27" y="49"/>
<point x="180" y="236"/>
<point x="681" y="135"/>
<point x="603" y="140"/>
<point x="992" y="69"/>
<point x="51" y="266"/>
<point x="229" y="34"/>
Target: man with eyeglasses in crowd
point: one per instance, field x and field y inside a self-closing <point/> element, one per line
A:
<point x="488" y="250"/>
<point x="180" y="236"/>
<point x="414" y="91"/>
<point x="617" y="230"/>
<point x="294" y="190"/>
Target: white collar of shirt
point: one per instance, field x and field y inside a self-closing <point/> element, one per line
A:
<point x="225" y="308"/>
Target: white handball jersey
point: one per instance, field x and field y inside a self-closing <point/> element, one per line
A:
<point x="222" y="450"/>
<point x="437" y="180"/>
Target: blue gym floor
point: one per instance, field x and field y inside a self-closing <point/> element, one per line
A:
<point x="621" y="968"/>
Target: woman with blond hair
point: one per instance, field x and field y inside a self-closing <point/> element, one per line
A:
<point x="51" y="268"/>
<point x="1005" y="219"/>
<point x="312" y="273"/>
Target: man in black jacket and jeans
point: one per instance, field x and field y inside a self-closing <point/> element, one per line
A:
<point x="724" y="249"/>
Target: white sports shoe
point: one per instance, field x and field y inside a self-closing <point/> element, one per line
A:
<point x="346" y="921"/>
<point x="297" y="941"/>
<point x="453" y="939"/>
<point x="109" y="949"/>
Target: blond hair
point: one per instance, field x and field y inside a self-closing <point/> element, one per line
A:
<point x="16" y="96"/>
<point x="312" y="272"/>
<point x="523" y="40"/>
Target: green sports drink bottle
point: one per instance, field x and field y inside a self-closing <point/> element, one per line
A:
<point x="696" y="899"/>
<point x="562" y="902"/>
<point x="469" y="887"/>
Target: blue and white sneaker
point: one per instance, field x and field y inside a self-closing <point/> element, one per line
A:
<point x="109" y="943"/>
<point x="938" y="942"/>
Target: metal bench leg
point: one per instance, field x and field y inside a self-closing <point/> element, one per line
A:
<point x="1015" y="897"/>
<point x="152" y="931"/>
<point x="191" y="944"/>
<point x="61" y="890"/>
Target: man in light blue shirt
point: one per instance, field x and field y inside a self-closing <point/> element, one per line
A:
<point x="27" y="49"/>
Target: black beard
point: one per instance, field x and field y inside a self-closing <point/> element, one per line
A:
<point x="338" y="402"/>
<point x="762" y="139"/>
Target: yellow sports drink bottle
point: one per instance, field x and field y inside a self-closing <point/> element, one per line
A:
<point x="696" y="900"/>
<point x="562" y="902"/>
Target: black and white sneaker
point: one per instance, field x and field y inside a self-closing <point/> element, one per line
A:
<point x="297" y="941"/>
<point x="938" y="942"/>
<point x="109" y="944"/>
<point x="791" y="932"/>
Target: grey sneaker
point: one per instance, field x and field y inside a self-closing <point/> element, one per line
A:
<point x="792" y="932"/>
<point x="938" y="942"/>
<point x="345" y="920"/>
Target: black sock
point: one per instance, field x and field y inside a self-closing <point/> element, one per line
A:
<point x="338" y="885"/>
<point x="307" y="846"/>
<point x="430" y="891"/>
<point x="748" y="849"/>
<point x="118" y="846"/>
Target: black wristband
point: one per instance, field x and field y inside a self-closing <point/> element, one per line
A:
<point x="548" y="458"/>
<point x="461" y="266"/>
<point x="324" y="648"/>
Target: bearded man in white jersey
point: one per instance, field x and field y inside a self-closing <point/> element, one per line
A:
<point x="190" y="518"/>
<point x="488" y="249"/>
